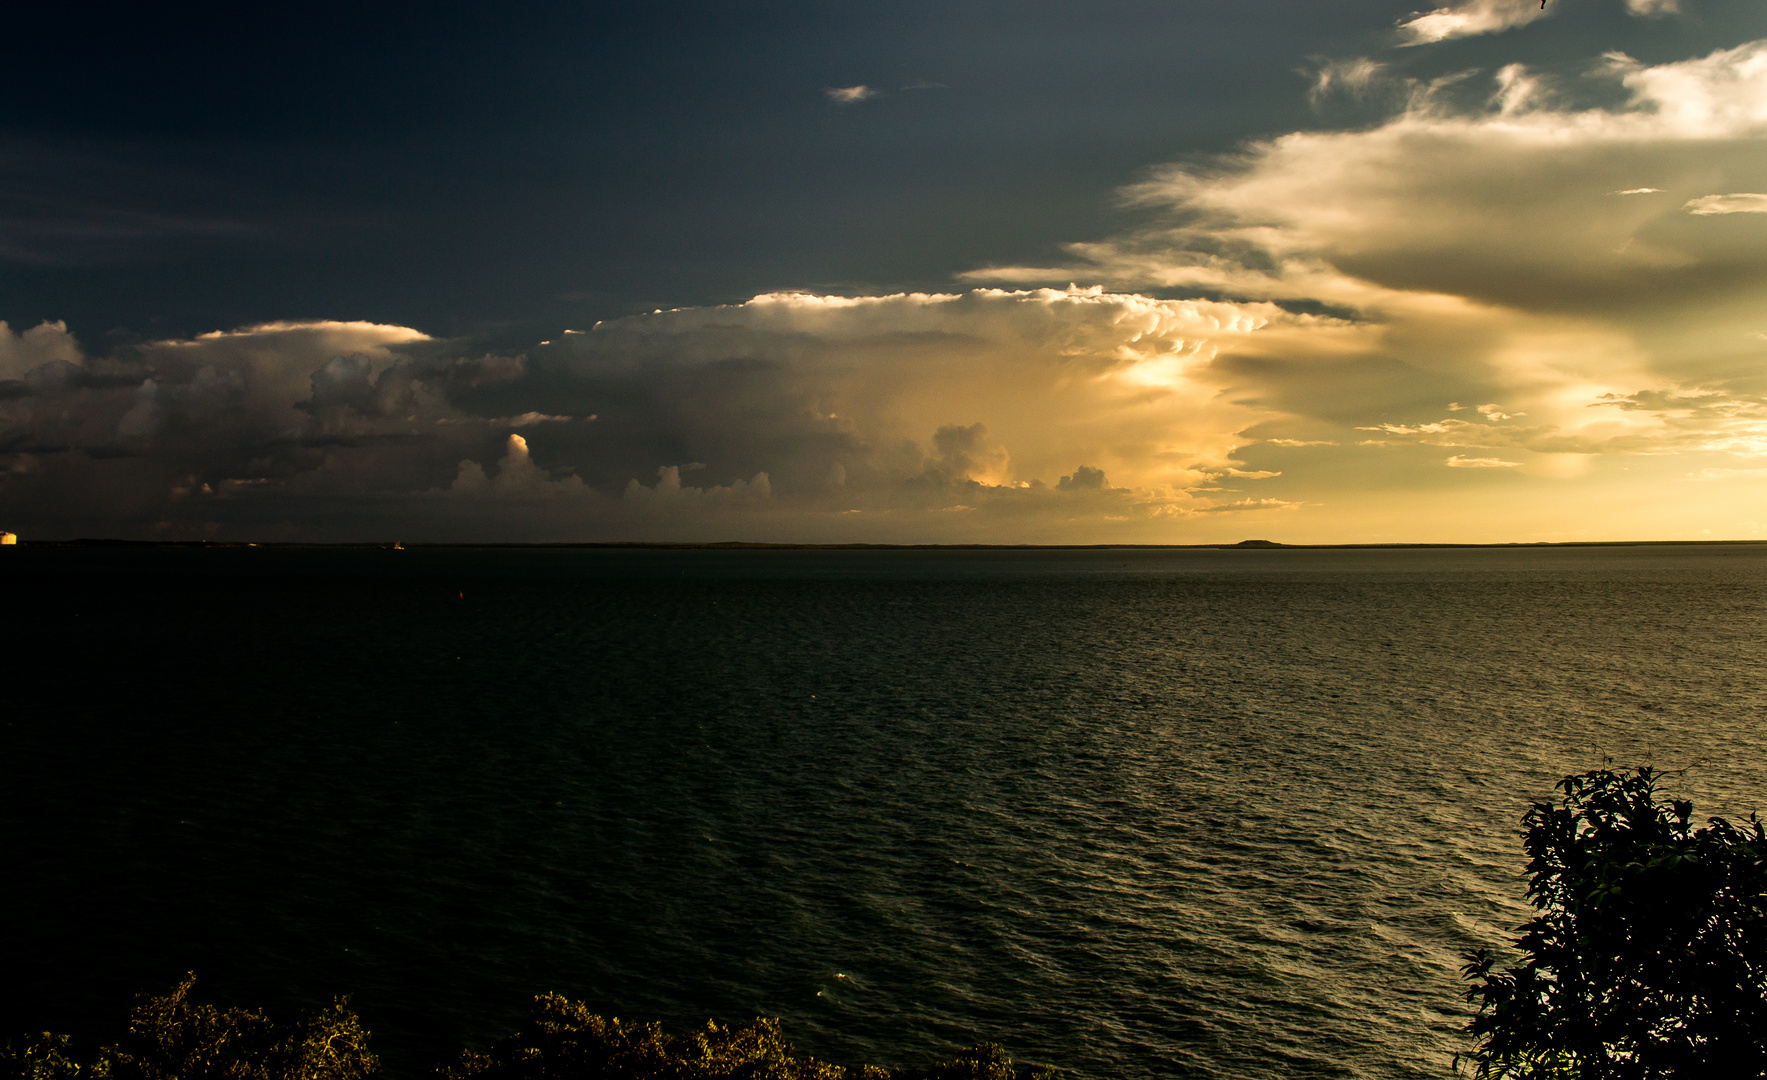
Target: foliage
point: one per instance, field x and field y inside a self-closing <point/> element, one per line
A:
<point x="1648" y="957"/>
<point x="47" y="1057"/>
<point x="173" y="1038"/>
<point x="563" y="1040"/>
<point x="983" y="1061"/>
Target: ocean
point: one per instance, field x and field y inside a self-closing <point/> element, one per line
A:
<point x="1131" y="813"/>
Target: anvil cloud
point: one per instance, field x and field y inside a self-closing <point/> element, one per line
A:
<point x="1570" y="291"/>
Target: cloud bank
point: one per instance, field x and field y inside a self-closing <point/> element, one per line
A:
<point x="1035" y="414"/>
<point x="1597" y="274"/>
<point x="1502" y="318"/>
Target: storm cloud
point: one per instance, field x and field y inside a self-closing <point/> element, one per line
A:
<point x="1520" y="303"/>
<point x="1528" y="287"/>
<point x="974" y="415"/>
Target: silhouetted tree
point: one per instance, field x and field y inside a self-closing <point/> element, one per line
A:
<point x="1648" y="957"/>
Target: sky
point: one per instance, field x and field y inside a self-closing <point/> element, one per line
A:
<point x="1117" y="272"/>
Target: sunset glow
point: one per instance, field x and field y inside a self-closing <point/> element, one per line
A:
<point x="1476" y="298"/>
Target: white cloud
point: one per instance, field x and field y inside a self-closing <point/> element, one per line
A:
<point x="1473" y="258"/>
<point x="1653" y="8"/>
<point x="849" y="95"/>
<point x="1740" y="203"/>
<point x="1241" y="506"/>
<point x="1445" y="255"/>
<point x="1440" y="429"/>
<point x="1469" y="18"/>
<point x="330" y="331"/>
<point x="517" y="477"/>
<point x="1355" y="76"/>
<point x="527" y="419"/>
<point x="668" y="488"/>
<point x="1722" y="95"/>
<point x="1729" y="474"/>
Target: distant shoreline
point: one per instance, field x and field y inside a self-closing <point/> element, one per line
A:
<point x="741" y="545"/>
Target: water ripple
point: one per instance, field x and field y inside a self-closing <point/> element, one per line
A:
<point x="1135" y="814"/>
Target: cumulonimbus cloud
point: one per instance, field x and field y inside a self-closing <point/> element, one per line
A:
<point x="1349" y="290"/>
<point x="1481" y="254"/>
<point x="20" y="353"/>
<point x="984" y="414"/>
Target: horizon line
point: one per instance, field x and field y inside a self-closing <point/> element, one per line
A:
<point x="747" y="545"/>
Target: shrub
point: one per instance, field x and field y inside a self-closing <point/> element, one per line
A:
<point x="1648" y="957"/>
<point x="173" y="1038"/>
<point x="46" y="1057"/>
<point x="563" y="1040"/>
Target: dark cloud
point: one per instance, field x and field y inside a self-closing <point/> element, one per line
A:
<point x="1552" y="218"/>
<point x="1084" y="478"/>
<point x="910" y="416"/>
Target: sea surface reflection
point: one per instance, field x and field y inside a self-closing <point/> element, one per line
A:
<point x="1132" y="813"/>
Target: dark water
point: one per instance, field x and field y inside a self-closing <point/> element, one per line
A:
<point x="1194" y="813"/>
